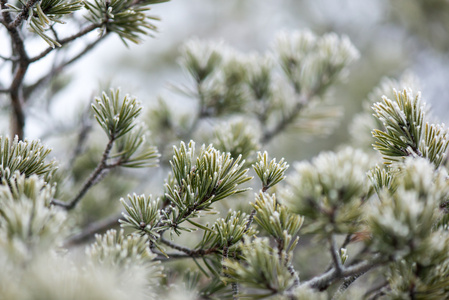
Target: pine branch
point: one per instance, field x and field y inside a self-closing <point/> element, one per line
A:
<point x="324" y="280"/>
<point x="250" y="220"/>
<point x="234" y="285"/>
<point x="96" y="174"/>
<point x="294" y="274"/>
<point x="189" y="252"/>
<point x="67" y="40"/>
<point x="23" y="15"/>
<point x="345" y="285"/>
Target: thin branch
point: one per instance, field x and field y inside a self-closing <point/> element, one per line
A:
<point x="93" y="178"/>
<point x="376" y="291"/>
<point x="334" y="254"/>
<point x="346" y="241"/>
<point x="171" y="256"/>
<point x="13" y="59"/>
<point x="294" y="274"/>
<point x="268" y="135"/>
<point x="22" y="15"/>
<point x="93" y="228"/>
<point x="86" y="127"/>
<point x="250" y="220"/>
<point x="330" y="276"/>
<point x="346" y="284"/>
<point x="186" y="250"/>
<point x="189" y="252"/>
<point x="66" y="40"/>
<point x="234" y="286"/>
<point x="57" y="70"/>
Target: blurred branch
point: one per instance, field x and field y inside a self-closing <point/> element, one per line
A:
<point x="57" y="70"/>
<point x="13" y="59"/>
<point x="268" y="135"/>
<point x="18" y="116"/>
<point x="376" y="291"/>
<point x="93" y="228"/>
<point x="86" y="127"/>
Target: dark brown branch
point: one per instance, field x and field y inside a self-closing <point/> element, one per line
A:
<point x="67" y="40"/>
<point x="189" y="252"/>
<point x="13" y="59"/>
<point x="93" y="178"/>
<point x="15" y="89"/>
<point x="250" y="220"/>
<point x="93" y="228"/>
<point x="186" y="250"/>
<point x="171" y="256"/>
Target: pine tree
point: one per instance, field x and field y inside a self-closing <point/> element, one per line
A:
<point x="368" y="220"/>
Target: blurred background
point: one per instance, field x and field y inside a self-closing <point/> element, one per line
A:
<point x="392" y="37"/>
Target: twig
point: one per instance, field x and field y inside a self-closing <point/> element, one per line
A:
<point x="345" y="285"/>
<point x="189" y="252"/>
<point x="171" y="256"/>
<point x="330" y="276"/>
<point x="91" y="229"/>
<point x="66" y="40"/>
<point x="55" y="71"/>
<point x="90" y="181"/>
<point x="334" y="254"/>
<point x="234" y="286"/>
<point x="176" y="247"/>
<point x="287" y="120"/>
<point x="86" y="127"/>
<point x="376" y="291"/>
<point x="201" y="113"/>
<point x="22" y="15"/>
<point x="13" y="59"/>
<point x="250" y="220"/>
